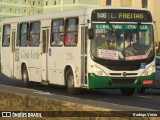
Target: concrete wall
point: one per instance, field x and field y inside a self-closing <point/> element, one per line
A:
<point x="19" y="102"/>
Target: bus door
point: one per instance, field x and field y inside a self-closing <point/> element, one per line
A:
<point x="13" y="52"/>
<point x="45" y="41"/>
<point x="84" y="29"/>
<point x="6" y="51"/>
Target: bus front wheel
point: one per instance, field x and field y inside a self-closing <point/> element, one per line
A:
<point x="25" y="78"/>
<point x="70" y="83"/>
<point x="127" y="91"/>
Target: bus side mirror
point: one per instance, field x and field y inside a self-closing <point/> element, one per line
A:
<point x="90" y="34"/>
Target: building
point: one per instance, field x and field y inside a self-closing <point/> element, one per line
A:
<point x="152" y="5"/>
<point x="12" y="8"/>
<point x="57" y="5"/>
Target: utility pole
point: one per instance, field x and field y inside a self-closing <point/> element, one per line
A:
<point x="61" y="5"/>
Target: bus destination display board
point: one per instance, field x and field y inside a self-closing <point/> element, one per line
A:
<point x="118" y="15"/>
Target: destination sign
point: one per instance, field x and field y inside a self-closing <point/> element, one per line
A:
<point x="126" y="27"/>
<point x="119" y="15"/>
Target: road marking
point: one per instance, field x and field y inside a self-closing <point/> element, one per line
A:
<point x="31" y="90"/>
<point x="141" y="96"/>
<point x="42" y="93"/>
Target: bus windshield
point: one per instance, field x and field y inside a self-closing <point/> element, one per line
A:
<point x="122" y="41"/>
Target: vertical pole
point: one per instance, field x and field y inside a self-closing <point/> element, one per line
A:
<point x="61" y="5"/>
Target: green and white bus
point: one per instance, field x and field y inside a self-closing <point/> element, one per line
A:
<point x="110" y="47"/>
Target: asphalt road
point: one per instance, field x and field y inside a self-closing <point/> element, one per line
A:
<point x="109" y="98"/>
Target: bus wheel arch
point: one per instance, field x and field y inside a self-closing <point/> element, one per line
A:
<point x="69" y="81"/>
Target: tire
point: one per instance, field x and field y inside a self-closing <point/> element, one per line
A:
<point x="141" y="90"/>
<point x="70" y="83"/>
<point x="127" y="91"/>
<point x="25" y="78"/>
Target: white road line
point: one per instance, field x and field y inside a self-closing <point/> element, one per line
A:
<point x="42" y="93"/>
<point x="33" y="91"/>
<point x="141" y="96"/>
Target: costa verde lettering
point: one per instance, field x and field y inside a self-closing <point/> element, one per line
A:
<point x="25" y="55"/>
<point x="30" y="55"/>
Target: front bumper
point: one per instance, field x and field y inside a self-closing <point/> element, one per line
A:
<point x="119" y="82"/>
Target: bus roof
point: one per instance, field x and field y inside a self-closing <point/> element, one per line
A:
<point x="67" y="13"/>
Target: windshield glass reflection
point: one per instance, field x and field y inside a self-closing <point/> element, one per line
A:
<point x="122" y="42"/>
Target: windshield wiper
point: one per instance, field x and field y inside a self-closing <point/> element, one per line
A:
<point x="137" y="28"/>
<point x="138" y="25"/>
<point x="110" y="25"/>
<point x="112" y="28"/>
<point x="129" y="34"/>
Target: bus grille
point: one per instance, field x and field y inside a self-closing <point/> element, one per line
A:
<point x="123" y="81"/>
<point x="122" y="67"/>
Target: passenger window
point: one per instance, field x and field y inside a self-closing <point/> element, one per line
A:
<point x="71" y="36"/>
<point x="6" y="36"/>
<point x="34" y="34"/>
<point x="57" y="33"/>
<point x="23" y="37"/>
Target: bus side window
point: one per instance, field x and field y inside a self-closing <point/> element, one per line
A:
<point x="34" y="34"/>
<point x="24" y="34"/>
<point x="6" y="36"/>
<point x="57" y="32"/>
<point x="71" y="36"/>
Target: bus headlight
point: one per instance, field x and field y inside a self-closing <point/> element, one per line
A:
<point x="98" y="71"/>
<point x="149" y="70"/>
